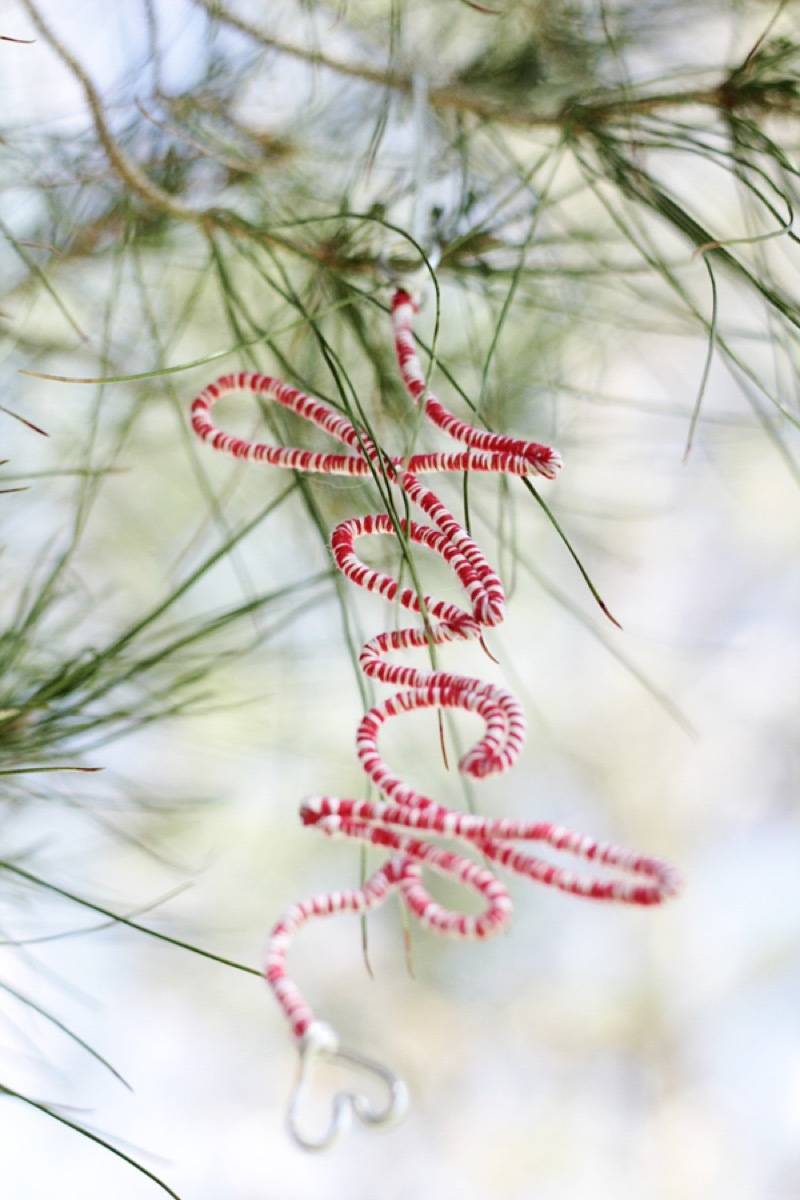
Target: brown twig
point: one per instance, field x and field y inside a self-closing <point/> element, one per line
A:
<point x="126" y="168"/>
<point x="460" y="100"/>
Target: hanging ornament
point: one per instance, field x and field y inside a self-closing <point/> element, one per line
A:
<point x="405" y="822"/>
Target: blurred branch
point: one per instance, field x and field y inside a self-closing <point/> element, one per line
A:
<point x="734" y="91"/>
<point x="763" y="81"/>
<point x="126" y="168"/>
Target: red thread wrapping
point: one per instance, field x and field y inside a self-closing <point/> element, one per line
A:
<point x="406" y="821"/>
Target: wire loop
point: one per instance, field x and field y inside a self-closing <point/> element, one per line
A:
<point x="346" y="1104"/>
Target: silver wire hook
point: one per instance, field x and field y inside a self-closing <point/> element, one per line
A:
<point x="420" y="227"/>
<point x="420" y="218"/>
<point x="320" y="1041"/>
<point x="419" y="102"/>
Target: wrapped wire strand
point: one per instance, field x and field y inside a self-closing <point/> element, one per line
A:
<point x="406" y="822"/>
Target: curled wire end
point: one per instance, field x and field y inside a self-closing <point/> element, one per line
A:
<point x="320" y="1041"/>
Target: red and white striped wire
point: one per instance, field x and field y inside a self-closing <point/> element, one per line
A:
<point x="405" y="821"/>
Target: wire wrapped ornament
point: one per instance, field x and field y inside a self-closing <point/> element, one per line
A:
<point x="405" y="822"/>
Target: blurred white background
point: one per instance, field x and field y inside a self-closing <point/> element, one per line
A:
<point x="594" y="1051"/>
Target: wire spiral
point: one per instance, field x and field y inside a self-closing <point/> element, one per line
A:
<point x="405" y="821"/>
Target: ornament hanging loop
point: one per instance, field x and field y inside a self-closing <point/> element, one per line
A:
<point x="420" y="217"/>
<point x="424" y="239"/>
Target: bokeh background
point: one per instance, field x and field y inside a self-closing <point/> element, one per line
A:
<point x="593" y="1051"/>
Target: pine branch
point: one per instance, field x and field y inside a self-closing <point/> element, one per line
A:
<point x="735" y="91"/>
